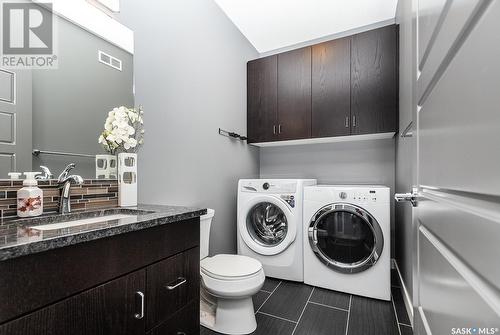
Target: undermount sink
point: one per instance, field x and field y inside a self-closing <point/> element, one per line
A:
<point x="81" y="222"/>
<point x="61" y="225"/>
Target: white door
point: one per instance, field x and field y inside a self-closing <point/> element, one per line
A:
<point x="457" y="162"/>
<point x="15" y="121"/>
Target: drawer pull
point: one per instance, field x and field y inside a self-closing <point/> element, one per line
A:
<point x="181" y="333"/>
<point x="175" y="284"/>
<point x="140" y="315"/>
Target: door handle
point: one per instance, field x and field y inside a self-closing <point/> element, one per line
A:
<point x="274" y="129"/>
<point x="408" y="197"/>
<point x="176" y="283"/>
<point x="347" y="121"/>
<point x="140" y="315"/>
<point x="354" y="120"/>
<point x="279" y="129"/>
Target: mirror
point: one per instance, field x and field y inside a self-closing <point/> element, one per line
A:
<point x="52" y="116"/>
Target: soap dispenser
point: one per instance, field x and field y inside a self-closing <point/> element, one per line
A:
<point x="30" y="197"/>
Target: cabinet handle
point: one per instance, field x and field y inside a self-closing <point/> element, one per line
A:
<point x="176" y="283"/>
<point x="347" y="121"/>
<point x="140" y="315"/>
<point x="274" y="129"/>
<point x="354" y="120"/>
<point x="279" y="129"/>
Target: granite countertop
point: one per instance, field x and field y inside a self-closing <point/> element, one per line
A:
<point x="20" y="237"/>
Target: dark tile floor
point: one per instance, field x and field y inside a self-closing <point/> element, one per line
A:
<point x="286" y="308"/>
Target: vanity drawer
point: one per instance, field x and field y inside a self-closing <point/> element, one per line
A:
<point x="171" y="285"/>
<point x="186" y="321"/>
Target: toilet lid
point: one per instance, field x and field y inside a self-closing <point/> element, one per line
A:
<point x="230" y="266"/>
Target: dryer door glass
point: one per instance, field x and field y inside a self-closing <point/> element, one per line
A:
<point x="267" y="224"/>
<point x="346" y="238"/>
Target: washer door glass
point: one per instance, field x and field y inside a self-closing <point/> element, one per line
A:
<point x="346" y="238"/>
<point x="267" y="224"/>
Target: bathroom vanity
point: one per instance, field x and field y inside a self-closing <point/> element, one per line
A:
<point x="113" y="271"/>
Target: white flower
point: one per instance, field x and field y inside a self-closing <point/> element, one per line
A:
<point x="122" y="129"/>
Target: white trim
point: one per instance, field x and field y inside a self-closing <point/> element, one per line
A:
<point x="350" y="138"/>
<point x="406" y="296"/>
<point x="89" y="17"/>
<point x="395" y="313"/>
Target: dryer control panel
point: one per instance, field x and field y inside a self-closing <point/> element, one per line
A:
<point x="348" y="194"/>
<point x="363" y="197"/>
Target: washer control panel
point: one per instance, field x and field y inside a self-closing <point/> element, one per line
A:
<point x="263" y="186"/>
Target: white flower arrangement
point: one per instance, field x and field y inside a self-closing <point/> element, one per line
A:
<point x="123" y="130"/>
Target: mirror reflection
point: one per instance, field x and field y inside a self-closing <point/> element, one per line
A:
<point x="50" y="117"/>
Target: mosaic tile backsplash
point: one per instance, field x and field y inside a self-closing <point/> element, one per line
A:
<point x="92" y="194"/>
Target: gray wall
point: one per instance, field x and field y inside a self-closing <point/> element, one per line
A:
<point x="363" y="162"/>
<point x="190" y="75"/>
<point x="405" y="146"/>
<point x="71" y="102"/>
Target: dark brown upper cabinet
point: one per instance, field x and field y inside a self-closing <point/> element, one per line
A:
<point x="331" y="88"/>
<point x="294" y="94"/>
<point x="347" y="86"/>
<point x="374" y="81"/>
<point x="262" y="99"/>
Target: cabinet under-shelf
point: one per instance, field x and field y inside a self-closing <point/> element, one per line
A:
<point x="335" y="139"/>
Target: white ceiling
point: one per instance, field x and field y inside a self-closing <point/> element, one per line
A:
<point x="275" y="24"/>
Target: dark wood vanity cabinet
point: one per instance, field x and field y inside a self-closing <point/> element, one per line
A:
<point x="143" y="282"/>
<point x="107" y="309"/>
<point x="347" y="86"/>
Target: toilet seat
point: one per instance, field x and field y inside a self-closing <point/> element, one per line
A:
<point x="230" y="267"/>
<point x="231" y="276"/>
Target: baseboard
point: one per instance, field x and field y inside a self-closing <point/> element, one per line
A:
<point x="406" y="295"/>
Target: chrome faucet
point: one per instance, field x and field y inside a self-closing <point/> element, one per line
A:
<point x="64" y="181"/>
<point x="46" y="174"/>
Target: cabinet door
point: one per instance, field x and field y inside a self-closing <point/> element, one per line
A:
<point x="184" y="322"/>
<point x="331" y="88"/>
<point x="374" y="79"/>
<point x="262" y="76"/>
<point x="171" y="285"/>
<point x="112" y="308"/>
<point x="294" y="94"/>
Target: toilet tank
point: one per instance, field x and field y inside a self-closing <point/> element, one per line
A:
<point x="205" y="223"/>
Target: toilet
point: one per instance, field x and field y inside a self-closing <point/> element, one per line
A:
<point x="228" y="283"/>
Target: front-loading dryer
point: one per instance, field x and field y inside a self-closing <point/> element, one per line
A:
<point x="270" y="224"/>
<point x="347" y="239"/>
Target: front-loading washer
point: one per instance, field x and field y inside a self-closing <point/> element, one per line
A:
<point x="269" y="224"/>
<point x="347" y="239"/>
